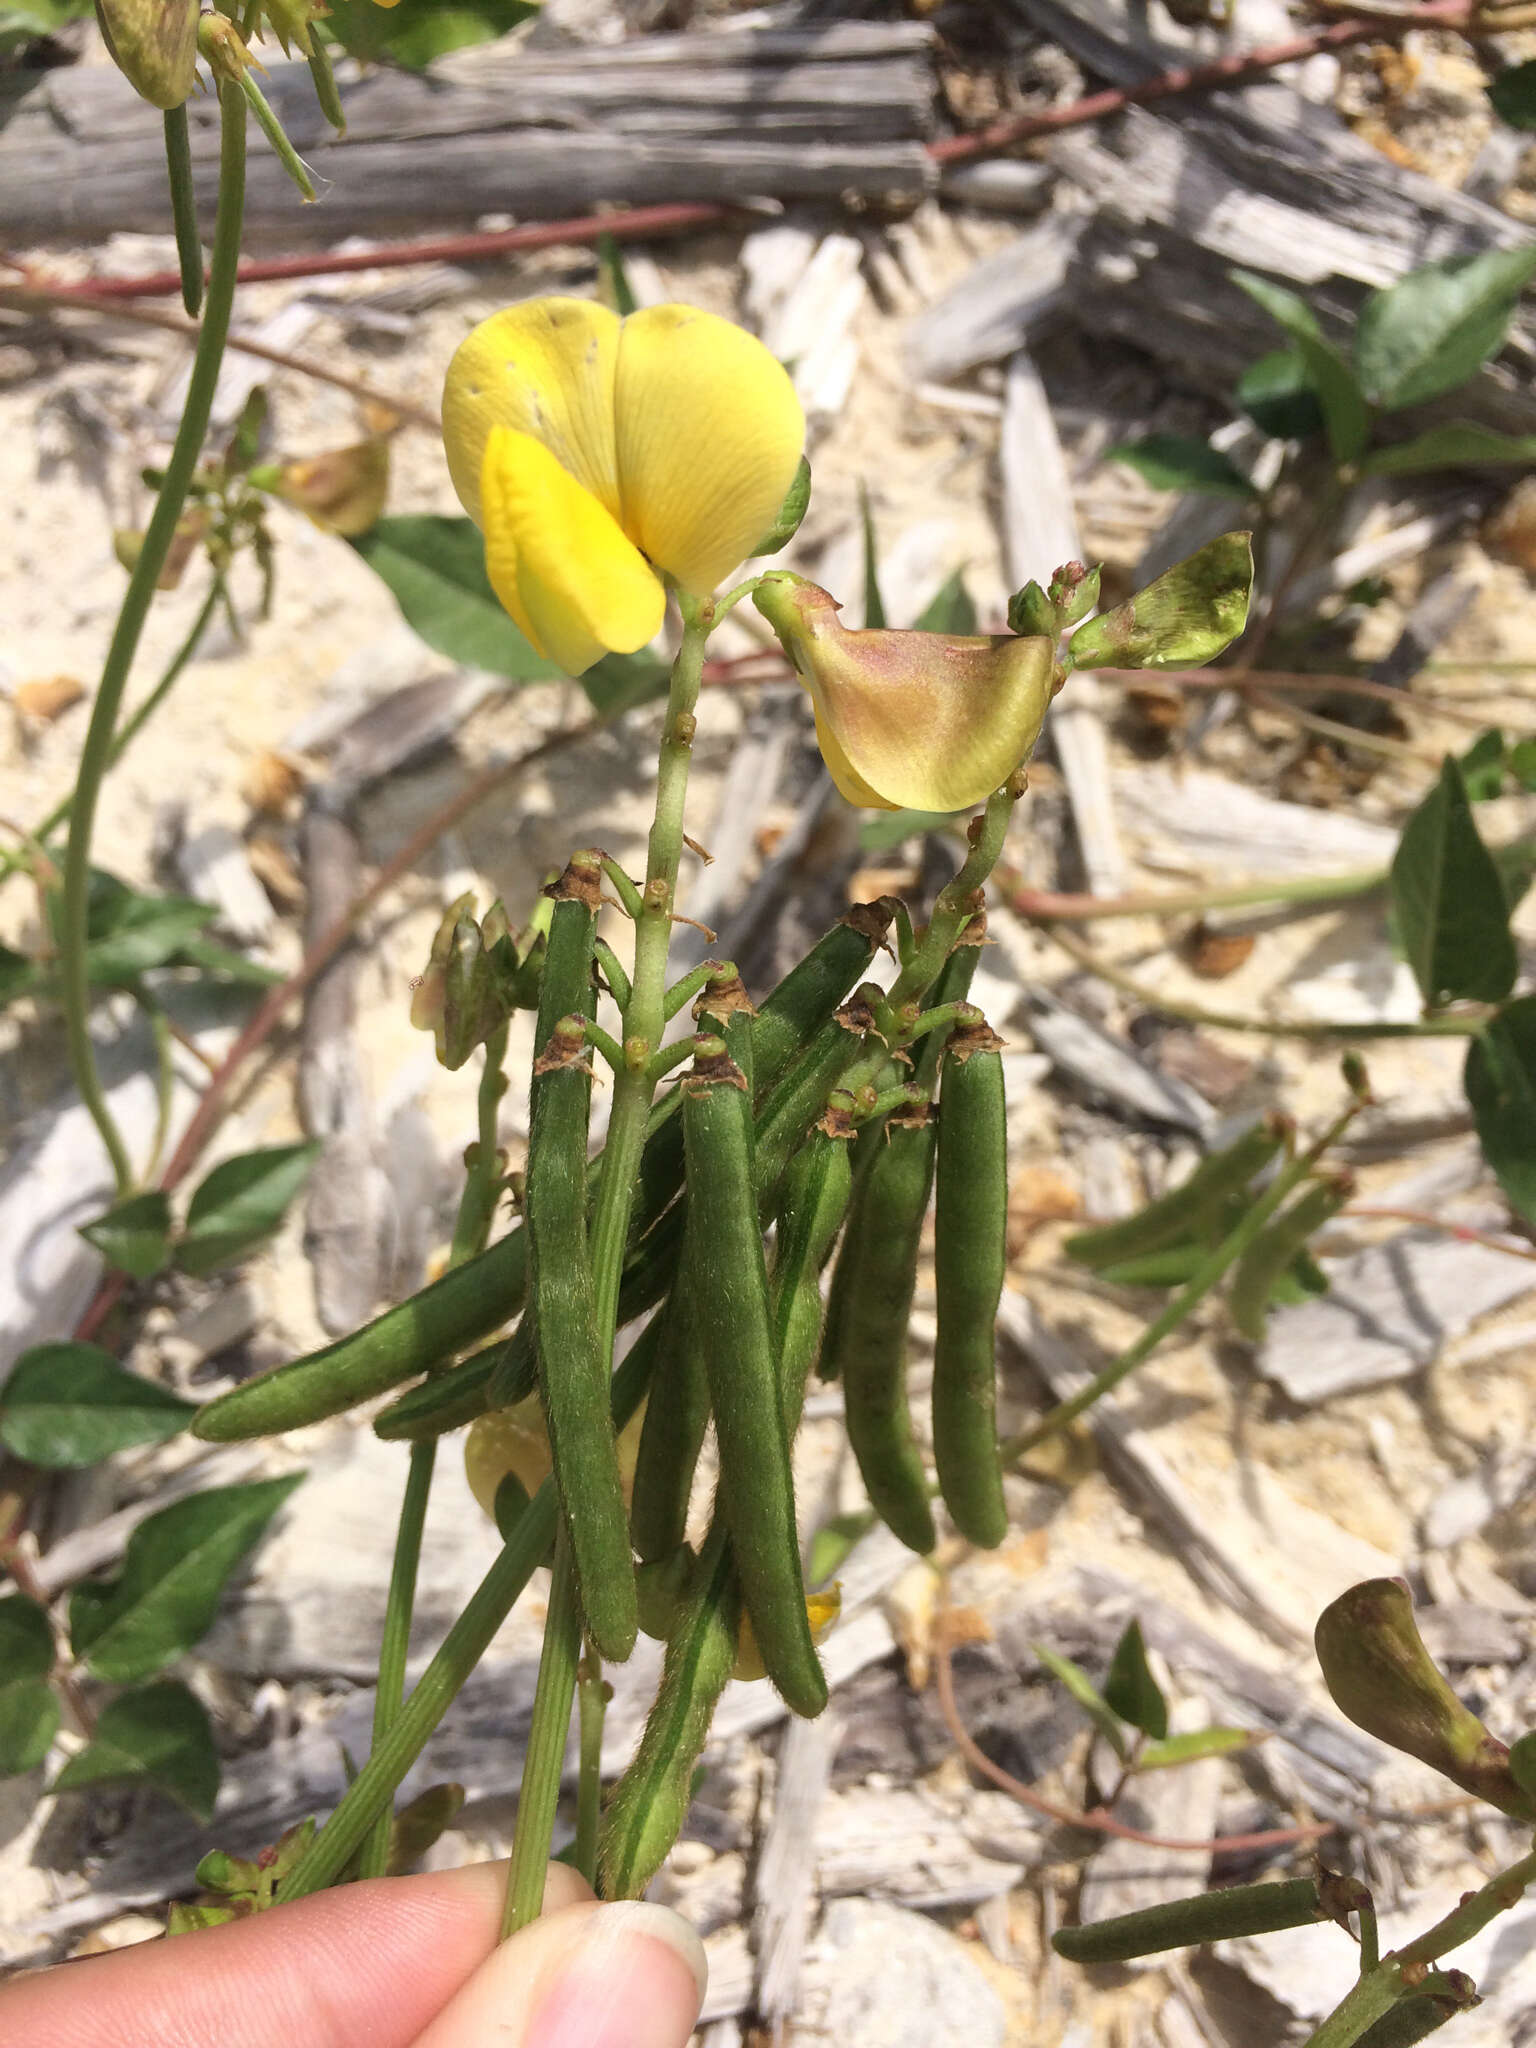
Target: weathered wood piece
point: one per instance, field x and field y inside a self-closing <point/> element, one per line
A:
<point x="788" y="113"/>
<point x="1387" y="1313"/>
<point x="785" y="1882"/>
<point x="995" y="308"/>
<point x="1107" y="1067"/>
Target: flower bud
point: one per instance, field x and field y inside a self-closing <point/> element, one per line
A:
<point x="289" y="21"/>
<point x="926" y="721"/>
<point x="154" y="44"/>
<point x="1379" y="1673"/>
<point x="221" y="43"/>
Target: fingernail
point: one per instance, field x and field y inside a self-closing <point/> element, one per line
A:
<point x="636" y="1981"/>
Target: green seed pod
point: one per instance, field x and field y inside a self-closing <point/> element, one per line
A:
<point x="1184" y="1923"/>
<point x="448" y="1400"/>
<point x="1185" y="1211"/>
<point x="661" y="1587"/>
<point x="672" y="1433"/>
<point x="650" y="1802"/>
<point x="865" y="1341"/>
<point x="573" y="1356"/>
<point x="729" y="1305"/>
<point x="814" y="1199"/>
<point x="466" y="1304"/>
<point x="789" y="1109"/>
<point x="1277" y="1245"/>
<point x="804" y="1000"/>
<point x="970" y="1259"/>
<point x="154" y="44"/>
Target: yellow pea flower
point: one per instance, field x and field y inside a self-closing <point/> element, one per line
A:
<point x="821" y="1611"/>
<point x="598" y="455"/>
<point x="908" y="720"/>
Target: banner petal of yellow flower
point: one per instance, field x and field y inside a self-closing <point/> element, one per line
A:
<point x="575" y="586"/>
<point x="544" y="368"/>
<point x="851" y="786"/>
<point x="709" y="438"/>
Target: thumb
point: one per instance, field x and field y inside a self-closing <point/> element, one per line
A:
<point x="626" y="1975"/>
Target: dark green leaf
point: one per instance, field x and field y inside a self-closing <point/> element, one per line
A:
<point x="69" y="1405"/>
<point x="150" y="933"/>
<point x="435" y="569"/>
<point x="29" y="1712"/>
<point x="1198" y="1742"/>
<point x="1088" y="1697"/>
<point x="1513" y="94"/>
<point x="1344" y="409"/>
<point x="242" y="1202"/>
<point x="1448" y="901"/>
<point x="1177" y="462"/>
<point x="134" y="1234"/>
<point x="1458" y="444"/>
<point x="1500" y="1080"/>
<point x="1187" y="616"/>
<point x="1522" y="1762"/>
<point x="621" y="681"/>
<point x="29" y="1720"/>
<point x="1482" y="767"/>
<point x="1278" y="395"/>
<point x="949" y="610"/>
<point x="174" y="1569"/>
<point x="18" y="973"/>
<point x="1131" y="1690"/>
<point x="1522" y="763"/>
<point x="879" y="831"/>
<point x="874" y="606"/>
<point x="1431" y="331"/>
<point x="1516" y="863"/>
<point x="159" y="1735"/>
<point x="223" y="963"/>
<point x="416" y="31"/>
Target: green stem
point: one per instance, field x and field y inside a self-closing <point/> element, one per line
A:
<point x="165" y="1081"/>
<point x="645" y="1019"/>
<point x="1205" y="1277"/>
<point x="462" y="1648"/>
<point x="1464" y="1025"/>
<point x="548" y="1730"/>
<point x="477" y="1204"/>
<point x="74" y="975"/>
<point x="954" y="908"/>
<point x="396" y="1642"/>
<point x="645" y="1013"/>
<point x="178" y="164"/>
<point x="592" y="1709"/>
<point x="1379" y="1989"/>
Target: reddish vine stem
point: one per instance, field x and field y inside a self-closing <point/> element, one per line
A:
<point x="641" y="222"/>
<point x="1098" y="106"/>
<point x="1097" y="1821"/>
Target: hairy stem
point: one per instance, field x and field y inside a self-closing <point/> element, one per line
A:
<point x="544" y="1762"/>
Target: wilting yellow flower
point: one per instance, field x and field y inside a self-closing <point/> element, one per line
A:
<point x="821" y="1611"/>
<point x="597" y="455"/>
<point x="907" y="720"/>
<point x="343" y="491"/>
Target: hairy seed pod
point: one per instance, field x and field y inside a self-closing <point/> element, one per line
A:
<point x="1272" y="1251"/>
<point x="573" y="1356"/>
<point x="466" y="1304"/>
<point x="970" y="1258"/>
<point x="729" y="1303"/>
<point x="813" y="1201"/>
<point x="448" y="1400"/>
<point x="673" y="1431"/>
<point x="803" y="1001"/>
<point x="1182" y="1923"/>
<point x="1185" y="1211"/>
<point x="650" y="1802"/>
